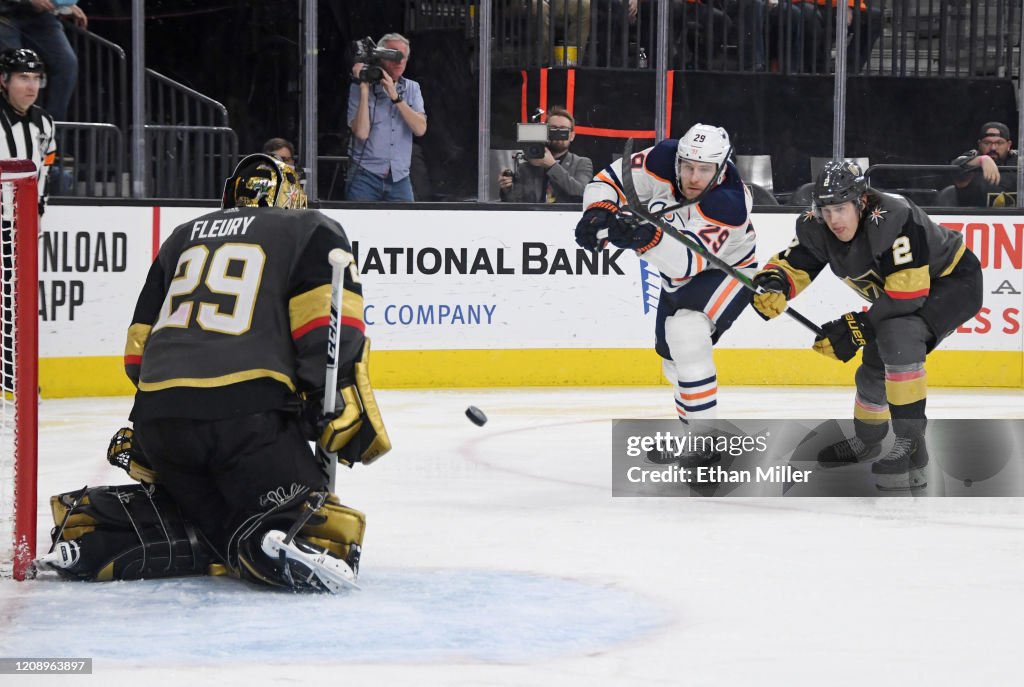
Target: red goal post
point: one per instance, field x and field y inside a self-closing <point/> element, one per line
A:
<point x="19" y="248"/>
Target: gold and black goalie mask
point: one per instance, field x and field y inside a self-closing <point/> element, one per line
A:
<point x="263" y="181"/>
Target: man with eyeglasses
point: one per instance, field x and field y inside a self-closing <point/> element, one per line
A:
<point x="283" y="150"/>
<point x="981" y="183"/>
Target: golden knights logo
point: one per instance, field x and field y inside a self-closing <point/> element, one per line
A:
<point x="869" y="285"/>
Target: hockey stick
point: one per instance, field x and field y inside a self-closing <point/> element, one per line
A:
<point x="340" y="260"/>
<point x="634" y="206"/>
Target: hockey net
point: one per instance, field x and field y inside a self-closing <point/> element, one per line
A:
<point x="19" y="377"/>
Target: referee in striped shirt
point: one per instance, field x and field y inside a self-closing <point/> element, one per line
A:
<point x="26" y="132"/>
<point x="27" y="129"/>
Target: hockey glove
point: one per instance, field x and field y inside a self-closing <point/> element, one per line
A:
<point x="598" y="216"/>
<point x="774" y="285"/>
<point x="123" y="452"/>
<point x="355" y="431"/>
<point x="337" y="429"/>
<point x="633" y="234"/>
<point x="844" y="336"/>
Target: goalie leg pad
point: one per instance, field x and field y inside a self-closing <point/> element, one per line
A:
<point x="126" y="532"/>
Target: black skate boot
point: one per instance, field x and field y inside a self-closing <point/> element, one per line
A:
<point x="903" y="467"/>
<point x="847" y="452"/>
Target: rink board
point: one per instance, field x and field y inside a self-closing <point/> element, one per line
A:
<point x="502" y="298"/>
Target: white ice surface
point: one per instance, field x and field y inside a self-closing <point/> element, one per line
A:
<point x="497" y="556"/>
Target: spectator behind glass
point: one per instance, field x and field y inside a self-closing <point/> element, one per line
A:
<point x="982" y="183"/>
<point x="574" y="15"/>
<point x="384" y="117"/>
<point x="282" y="149"/>
<point x="34" y="24"/>
<point x="864" y="26"/>
<point x="558" y="177"/>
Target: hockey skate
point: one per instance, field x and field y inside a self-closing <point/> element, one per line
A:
<point x="847" y="452"/>
<point x="63" y="557"/>
<point x="903" y="467"/>
<point x="311" y="567"/>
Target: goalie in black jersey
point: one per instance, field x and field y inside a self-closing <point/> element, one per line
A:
<point x="227" y="349"/>
<point x="922" y="283"/>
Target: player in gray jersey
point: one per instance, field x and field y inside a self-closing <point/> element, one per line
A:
<point x="922" y="283"/>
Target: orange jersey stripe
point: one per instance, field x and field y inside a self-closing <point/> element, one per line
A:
<point x="608" y="180"/>
<point x="723" y="298"/>
<point x="700" y="394"/>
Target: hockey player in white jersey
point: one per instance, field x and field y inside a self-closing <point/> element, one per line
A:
<point x="707" y="202"/>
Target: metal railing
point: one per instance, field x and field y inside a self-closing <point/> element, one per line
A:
<point x="102" y="91"/>
<point x="933" y="38"/>
<point x="170" y="102"/>
<point x="91" y="160"/>
<point x="185" y="128"/>
<point x="189" y="161"/>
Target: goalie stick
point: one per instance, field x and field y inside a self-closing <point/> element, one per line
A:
<point x="340" y="260"/>
<point x="634" y="206"/>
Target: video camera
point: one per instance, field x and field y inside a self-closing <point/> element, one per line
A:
<point x="534" y="138"/>
<point x="372" y="58"/>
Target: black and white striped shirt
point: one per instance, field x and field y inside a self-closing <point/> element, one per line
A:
<point x="28" y="137"/>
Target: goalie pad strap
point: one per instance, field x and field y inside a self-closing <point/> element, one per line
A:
<point x="127" y="532"/>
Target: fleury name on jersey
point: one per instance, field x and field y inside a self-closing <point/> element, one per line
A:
<point x="219" y="228"/>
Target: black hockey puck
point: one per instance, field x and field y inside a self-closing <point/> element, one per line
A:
<point x="476" y="416"/>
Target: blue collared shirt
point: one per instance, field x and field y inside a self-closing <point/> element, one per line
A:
<point x="389" y="145"/>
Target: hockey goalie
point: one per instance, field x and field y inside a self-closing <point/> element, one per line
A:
<point x="227" y="349"/>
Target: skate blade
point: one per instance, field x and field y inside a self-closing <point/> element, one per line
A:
<point x="336" y="580"/>
<point x="903" y="481"/>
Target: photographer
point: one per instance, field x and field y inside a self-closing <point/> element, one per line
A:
<point x="385" y="111"/>
<point x="556" y="175"/>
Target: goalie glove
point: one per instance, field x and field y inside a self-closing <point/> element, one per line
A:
<point x="123" y="452"/>
<point x="844" y="336"/>
<point x="338" y="429"/>
<point x="771" y="301"/>
<point x="355" y="430"/>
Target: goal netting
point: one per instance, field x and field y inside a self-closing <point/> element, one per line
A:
<point x="19" y="376"/>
